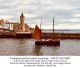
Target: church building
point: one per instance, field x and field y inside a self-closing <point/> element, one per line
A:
<point x="21" y="26"/>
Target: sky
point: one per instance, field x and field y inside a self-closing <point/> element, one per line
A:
<point x="66" y="13"/>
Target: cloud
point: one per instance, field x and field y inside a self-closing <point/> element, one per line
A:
<point x="63" y="11"/>
<point x="5" y="17"/>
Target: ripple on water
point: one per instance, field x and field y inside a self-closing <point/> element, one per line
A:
<point x="27" y="47"/>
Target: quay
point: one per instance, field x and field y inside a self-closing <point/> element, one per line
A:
<point x="23" y="35"/>
<point x="15" y="35"/>
<point x="44" y="35"/>
<point x="61" y="35"/>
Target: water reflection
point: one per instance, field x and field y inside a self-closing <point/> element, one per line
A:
<point x="50" y="50"/>
<point x="37" y="50"/>
<point x="21" y="50"/>
<point x="45" y="50"/>
<point x="27" y="47"/>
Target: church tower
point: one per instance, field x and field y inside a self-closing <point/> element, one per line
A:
<point x="22" y="18"/>
<point x="21" y="27"/>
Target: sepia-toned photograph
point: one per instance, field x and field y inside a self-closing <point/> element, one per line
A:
<point x="39" y="27"/>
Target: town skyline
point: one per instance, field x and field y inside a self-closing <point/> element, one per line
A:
<point x="65" y="12"/>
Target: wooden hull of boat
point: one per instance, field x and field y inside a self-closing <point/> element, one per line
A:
<point x="49" y="43"/>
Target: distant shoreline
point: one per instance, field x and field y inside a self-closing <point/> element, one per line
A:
<point x="61" y="31"/>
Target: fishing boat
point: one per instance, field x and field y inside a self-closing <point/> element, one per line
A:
<point x="48" y="42"/>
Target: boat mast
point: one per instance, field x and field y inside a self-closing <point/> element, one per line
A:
<point x="41" y="23"/>
<point x="53" y="26"/>
<point x="40" y="27"/>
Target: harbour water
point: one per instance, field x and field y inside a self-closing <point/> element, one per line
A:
<point x="27" y="47"/>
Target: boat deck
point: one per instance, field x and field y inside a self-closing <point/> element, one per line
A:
<point x="48" y="42"/>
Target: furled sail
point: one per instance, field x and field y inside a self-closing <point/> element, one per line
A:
<point x="37" y="33"/>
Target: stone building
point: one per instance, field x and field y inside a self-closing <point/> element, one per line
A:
<point x="21" y="26"/>
<point x="2" y="22"/>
